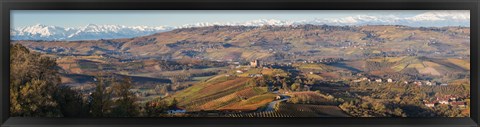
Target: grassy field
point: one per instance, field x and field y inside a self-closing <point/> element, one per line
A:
<point x="317" y="67"/>
<point x="462" y="63"/>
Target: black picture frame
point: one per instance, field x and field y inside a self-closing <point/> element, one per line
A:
<point x="7" y="5"/>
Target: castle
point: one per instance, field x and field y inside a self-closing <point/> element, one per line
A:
<point x="255" y="63"/>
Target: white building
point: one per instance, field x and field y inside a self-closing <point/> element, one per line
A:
<point x="357" y="80"/>
<point x="418" y="83"/>
<point x="444" y="102"/>
<point x="239" y="71"/>
<point x="428" y="83"/>
<point x="430" y="104"/>
<point x="176" y="110"/>
<point x="389" y="80"/>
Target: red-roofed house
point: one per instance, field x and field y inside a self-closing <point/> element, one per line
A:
<point x="443" y="100"/>
<point x="459" y="104"/>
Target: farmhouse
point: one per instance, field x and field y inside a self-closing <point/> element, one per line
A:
<point x="363" y="79"/>
<point x="357" y="80"/>
<point x="428" y="83"/>
<point x="389" y="80"/>
<point x="430" y="104"/>
<point x="453" y="98"/>
<point x="239" y="71"/>
<point x="443" y="101"/>
<point x="417" y="83"/>
<point x="458" y="104"/>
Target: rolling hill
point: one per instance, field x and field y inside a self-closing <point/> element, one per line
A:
<point x="272" y="43"/>
<point x="221" y="92"/>
<point x="409" y="65"/>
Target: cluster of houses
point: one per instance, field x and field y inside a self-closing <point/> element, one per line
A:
<point x="324" y="60"/>
<point x="446" y="100"/>
<point x="389" y="80"/>
<point x="260" y="64"/>
<point x="379" y="80"/>
<point x="428" y="83"/>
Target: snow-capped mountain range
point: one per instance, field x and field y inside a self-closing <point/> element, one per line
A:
<point x="94" y="32"/>
<point x="88" y="32"/>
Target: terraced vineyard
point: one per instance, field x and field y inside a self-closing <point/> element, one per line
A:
<point x="297" y="110"/>
<point x="260" y="114"/>
<point x="221" y="93"/>
<point x="307" y="110"/>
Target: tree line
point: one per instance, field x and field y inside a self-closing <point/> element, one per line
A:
<point x="36" y="91"/>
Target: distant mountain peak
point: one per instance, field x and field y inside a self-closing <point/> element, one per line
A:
<point x="91" y="25"/>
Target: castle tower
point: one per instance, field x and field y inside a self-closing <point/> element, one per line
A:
<point x="255" y="63"/>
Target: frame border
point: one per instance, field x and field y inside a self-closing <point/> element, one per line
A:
<point x="7" y="5"/>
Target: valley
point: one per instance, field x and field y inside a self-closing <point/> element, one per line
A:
<point x="279" y="71"/>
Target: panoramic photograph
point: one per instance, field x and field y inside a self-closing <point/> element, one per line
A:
<point x="240" y="63"/>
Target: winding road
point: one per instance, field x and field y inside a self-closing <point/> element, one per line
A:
<point x="271" y="105"/>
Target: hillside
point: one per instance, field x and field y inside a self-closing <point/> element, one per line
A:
<point x="226" y="92"/>
<point x="412" y="65"/>
<point x="307" y="42"/>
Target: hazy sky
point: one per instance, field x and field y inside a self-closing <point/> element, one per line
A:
<point x="77" y="18"/>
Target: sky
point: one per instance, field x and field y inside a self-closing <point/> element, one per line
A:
<point x="78" y="18"/>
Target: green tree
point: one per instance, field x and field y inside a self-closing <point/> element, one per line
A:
<point x="379" y="107"/>
<point x="125" y="104"/>
<point x="33" y="81"/>
<point x="365" y="105"/>
<point x="399" y="112"/>
<point x="101" y="98"/>
<point x="71" y="103"/>
<point x="262" y="82"/>
<point x="295" y="86"/>
<point x="285" y="85"/>
<point x="173" y="103"/>
<point x="163" y="90"/>
<point x="155" y="108"/>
